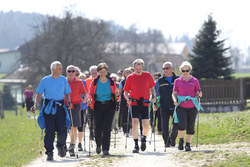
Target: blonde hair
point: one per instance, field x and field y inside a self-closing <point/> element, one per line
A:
<point x="138" y="62"/>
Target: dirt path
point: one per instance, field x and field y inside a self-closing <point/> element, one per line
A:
<point x="202" y="156"/>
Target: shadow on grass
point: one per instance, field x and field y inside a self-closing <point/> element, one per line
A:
<point x="204" y="151"/>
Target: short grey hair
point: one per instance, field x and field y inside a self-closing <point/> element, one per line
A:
<point x="78" y="70"/>
<point x="54" y="64"/>
<point x="138" y="62"/>
<point x="94" y="67"/>
<point x="70" y="66"/>
<point x="167" y="63"/>
<point x="185" y="64"/>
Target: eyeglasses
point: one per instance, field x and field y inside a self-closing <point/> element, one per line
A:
<point x="166" y="68"/>
<point x="185" y="70"/>
<point x="69" y="71"/>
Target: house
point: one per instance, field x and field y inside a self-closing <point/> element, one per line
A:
<point x="17" y="82"/>
<point x="9" y="60"/>
<point x="154" y="55"/>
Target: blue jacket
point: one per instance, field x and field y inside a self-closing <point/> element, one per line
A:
<point x="50" y="109"/>
<point x="185" y="99"/>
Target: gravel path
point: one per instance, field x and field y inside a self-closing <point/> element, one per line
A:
<point x="202" y="156"/>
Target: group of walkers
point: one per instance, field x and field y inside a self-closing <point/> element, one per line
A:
<point x="72" y="100"/>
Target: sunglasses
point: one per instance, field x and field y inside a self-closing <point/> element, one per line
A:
<point x="69" y="71"/>
<point x="166" y="68"/>
<point x="185" y="70"/>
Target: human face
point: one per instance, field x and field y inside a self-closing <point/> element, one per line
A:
<point x="138" y="68"/>
<point x="126" y="73"/>
<point x="103" y="73"/>
<point x="168" y="70"/>
<point x="58" y="70"/>
<point x="94" y="73"/>
<point x="71" y="72"/>
<point x="185" y="71"/>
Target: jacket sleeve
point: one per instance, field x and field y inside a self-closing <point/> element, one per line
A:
<point x="91" y="91"/>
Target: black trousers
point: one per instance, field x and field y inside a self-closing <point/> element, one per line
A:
<point x="186" y="118"/>
<point x="157" y="116"/>
<point x="165" y="115"/>
<point x="126" y="124"/>
<point x="54" y="123"/>
<point x="103" y="114"/>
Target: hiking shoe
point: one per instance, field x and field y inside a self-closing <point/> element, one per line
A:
<point x="187" y="147"/>
<point x="180" y="146"/>
<point x="143" y="144"/>
<point x="72" y="150"/>
<point x="167" y="144"/>
<point x="105" y="152"/>
<point x="61" y="150"/>
<point x="136" y="149"/>
<point x="98" y="150"/>
<point x="172" y="143"/>
<point x="80" y="147"/>
<point x="50" y="156"/>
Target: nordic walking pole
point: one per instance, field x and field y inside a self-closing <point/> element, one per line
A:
<point x="73" y="133"/>
<point x="84" y="126"/>
<point x="127" y="128"/>
<point x="198" y="122"/>
<point x="171" y="127"/>
<point x="37" y="132"/>
<point x="152" y="131"/>
<point x="90" y="124"/>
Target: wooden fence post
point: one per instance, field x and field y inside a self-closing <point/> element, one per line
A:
<point x="242" y="100"/>
<point x="1" y="106"/>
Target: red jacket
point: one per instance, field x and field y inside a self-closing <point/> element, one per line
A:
<point x="92" y="90"/>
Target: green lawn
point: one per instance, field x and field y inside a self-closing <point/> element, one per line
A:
<point x="18" y="137"/>
<point x="2" y="75"/>
<point x="221" y="128"/>
<point x="241" y="75"/>
<point x="1" y="84"/>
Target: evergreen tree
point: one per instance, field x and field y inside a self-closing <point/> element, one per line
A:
<point x="209" y="59"/>
<point x="8" y="100"/>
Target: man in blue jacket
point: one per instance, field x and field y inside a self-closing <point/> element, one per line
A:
<point x="54" y="116"/>
<point x="164" y="88"/>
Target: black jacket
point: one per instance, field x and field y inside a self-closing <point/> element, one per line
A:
<point x="166" y="91"/>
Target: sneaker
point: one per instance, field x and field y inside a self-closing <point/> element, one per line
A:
<point x="80" y="147"/>
<point x="50" y="156"/>
<point x="180" y="146"/>
<point x="143" y="144"/>
<point x="187" y="147"/>
<point x="61" y="151"/>
<point x="98" y="150"/>
<point x="136" y="149"/>
<point x="72" y="150"/>
<point x="105" y="152"/>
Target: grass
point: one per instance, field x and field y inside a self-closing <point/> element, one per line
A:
<point x="222" y="128"/>
<point x="218" y="128"/>
<point x="241" y="75"/>
<point x="18" y="137"/>
<point x="2" y="75"/>
<point x="1" y="84"/>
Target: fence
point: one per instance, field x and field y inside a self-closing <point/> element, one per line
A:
<point x="221" y="93"/>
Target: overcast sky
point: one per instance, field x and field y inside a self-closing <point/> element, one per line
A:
<point x="172" y="17"/>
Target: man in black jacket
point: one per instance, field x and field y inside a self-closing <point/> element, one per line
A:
<point x="164" y="88"/>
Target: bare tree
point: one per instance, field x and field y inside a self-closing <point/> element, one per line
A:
<point x="70" y="40"/>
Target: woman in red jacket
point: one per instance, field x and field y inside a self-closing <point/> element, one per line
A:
<point x="102" y="100"/>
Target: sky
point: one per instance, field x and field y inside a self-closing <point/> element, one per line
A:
<point x="172" y="17"/>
